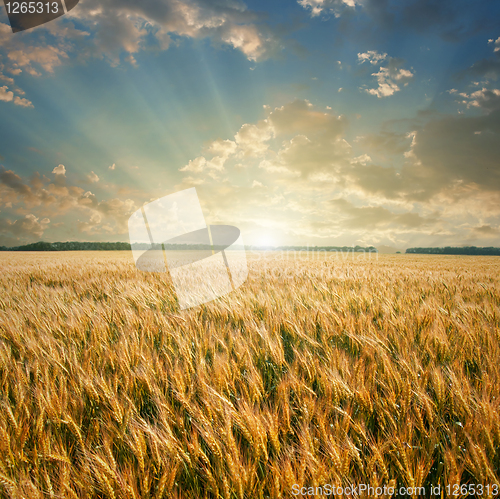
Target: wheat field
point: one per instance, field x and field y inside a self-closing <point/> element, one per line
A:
<point x="319" y="369"/>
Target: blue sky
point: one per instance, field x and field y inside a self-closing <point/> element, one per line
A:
<point x="301" y="122"/>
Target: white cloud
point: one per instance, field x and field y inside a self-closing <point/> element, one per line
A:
<point x="7" y="79"/>
<point x="221" y="151"/>
<point x="59" y="170"/>
<point x="113" y="166"/>
<point x="18" y="101"/>
<point x="222" y="148"/>
<point x="301" y="160"/>
<point x="485" y="98"/>
<point x="252" y="143"/>
<point x="277" y="167"/>
<point x="5" y="94"/>
<point x="318" y="7"/>
<point x="28" y="227"/>
<point x="252" y="140"/>
<point x="93" y="177"/>
<point x="496" y="44"/>
<point x="386" y="86"/>
<point x="47" y="58"/>
<point x="123" y="28"/>
<point x="116" y="32"/>
<point x="32" y="54"/>
<point x="390" y="79"/>
<point x="362" y="160"/>
<point x="371" y="56"/>
<point x="196" y="165"/>
<point x="251" y="41"/>
<point x="54" y="199"/>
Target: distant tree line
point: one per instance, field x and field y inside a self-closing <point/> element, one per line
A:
<point x="69" y="246"/>
<point x="449" y="250"/>
<point x="97" y="246"/>
<point x="174" y="247"/>
<point x="343" y="249"/>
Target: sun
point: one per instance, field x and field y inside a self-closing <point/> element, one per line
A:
<point x="266" y="240"/>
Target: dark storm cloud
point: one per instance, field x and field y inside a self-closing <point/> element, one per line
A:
<point x="445" y="153"/>
<point x="28" y="227"/>
<point x="58" y="198"/>
<point x="485" y="68"/>
<point x="444" y="16"/>
<point x="487" y="230"/>
<point x="14" y="181"/>
<point x="463" y="149"/>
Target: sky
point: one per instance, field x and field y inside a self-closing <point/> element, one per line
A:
<point x="301" y="122"/>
